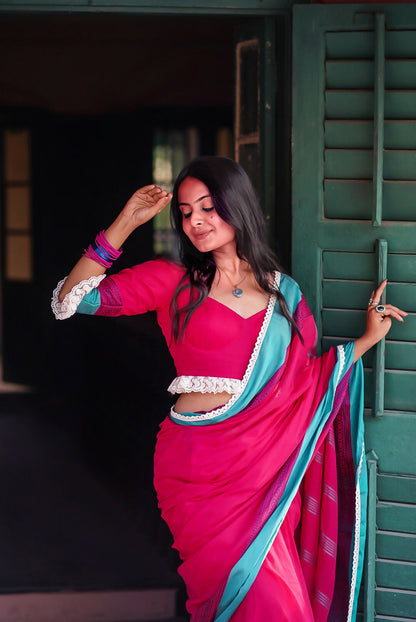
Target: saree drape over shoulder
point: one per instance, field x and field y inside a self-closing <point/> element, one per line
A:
<point x="266" y="496"/>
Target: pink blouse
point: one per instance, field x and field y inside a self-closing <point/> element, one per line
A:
<point x="217" y="342"/>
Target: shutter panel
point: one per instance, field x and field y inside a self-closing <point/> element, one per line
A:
<point x="354" y="222"/>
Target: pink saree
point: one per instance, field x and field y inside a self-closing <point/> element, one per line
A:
<point x="265" y="497"/>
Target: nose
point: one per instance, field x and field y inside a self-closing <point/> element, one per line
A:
<point x="196" y="219"/>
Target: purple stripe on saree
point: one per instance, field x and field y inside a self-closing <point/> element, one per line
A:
<point x="110" y="298"/>
<point x="333" y="547"/>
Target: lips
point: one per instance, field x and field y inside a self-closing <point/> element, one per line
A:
<point x="201" y="235"/>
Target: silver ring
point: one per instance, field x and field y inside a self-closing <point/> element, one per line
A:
<point x="370" y="301"/>
<point x="380" y="308"/>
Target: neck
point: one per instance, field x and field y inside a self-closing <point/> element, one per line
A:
<point x="228" y="261"/>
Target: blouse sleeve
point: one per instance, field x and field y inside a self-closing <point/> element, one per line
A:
<point x="145" y="287"/>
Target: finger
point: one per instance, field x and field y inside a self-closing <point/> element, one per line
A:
<point x="379" y="291"/>
<point x="156" y="190"/>
<point x="145" y="188"/>
<point x="395" y="314"/>
<point x="163" y="202"/>
<point x="389" y="307"/>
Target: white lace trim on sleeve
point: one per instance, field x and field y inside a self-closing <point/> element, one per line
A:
<point x="204" y="384"/>
<point x="63" y="310"/>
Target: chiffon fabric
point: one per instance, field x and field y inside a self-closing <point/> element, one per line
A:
<point x="266" y="497"/>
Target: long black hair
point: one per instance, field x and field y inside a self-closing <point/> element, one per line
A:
<point x="235" y="201"/>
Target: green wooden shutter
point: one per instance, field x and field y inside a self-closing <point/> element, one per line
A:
<point x="354" y="222"/>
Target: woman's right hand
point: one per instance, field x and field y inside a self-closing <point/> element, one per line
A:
<point x="141" y="207"/>
<point x="144" y="205"/>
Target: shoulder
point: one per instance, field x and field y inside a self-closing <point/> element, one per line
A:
<point x="290" y="290"/>
<point x="159" y="267"/>
<point x="288" y="282"/>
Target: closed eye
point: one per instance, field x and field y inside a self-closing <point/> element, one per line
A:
<point x="208" y="209"/>
<point x="187" y="215"/>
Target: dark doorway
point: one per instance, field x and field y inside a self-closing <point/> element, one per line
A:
<point x="92" y="90"/>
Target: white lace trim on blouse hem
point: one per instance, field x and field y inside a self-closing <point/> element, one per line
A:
<point x="204" y="384"/>
<point x="212" y="414"/>
<point x="63" y="310"/>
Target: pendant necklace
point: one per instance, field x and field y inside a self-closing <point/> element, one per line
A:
<point x="237" y="291"/>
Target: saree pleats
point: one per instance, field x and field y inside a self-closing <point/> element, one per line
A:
<point x="261" y="505"/>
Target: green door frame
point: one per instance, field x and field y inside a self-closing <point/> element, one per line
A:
<point x="171" y="7"/>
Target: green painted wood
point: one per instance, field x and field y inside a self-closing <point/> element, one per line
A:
<point x="348" y="163"/>
<point x="378" y="144"/>
<point x="352" y="45"/>
<point x="397" y="546"/>
<point x="402" y="294"/>
<point x="344" y="294"/>
<point x="401" y="44"/>
<point x="400" y="134"/>
<point x="394" y="574"/>
<point x="392" y="438"/>
<point x="399" y="200"/>
<point x="401" y="355"/>
<point x="345" y="323"/>
<point x="400" y="265"/>
<point x="397" y="488"/>
<point x="381" y="275"/>
<point x="400" y="390"/>
<point x="357" y="164"/>
<point x="361" y="266"/>
<point x="359" y="104"/>
<point x="359" y="74"/>
<point x="360" y="45"/>
<point x="370" y="555"/>
<point x="351" y="199"/>
<point x="350" y="134"/>
<point x="334" y="242"/>
<point x="344" y="265"/>
<point x="400" y="165"/>
<point x="396" y="602"/>
<point x="355" y="237"/>
<point x="396" y="517"/>
<point x="390" y="619"/>
<point x="244" y="7"/>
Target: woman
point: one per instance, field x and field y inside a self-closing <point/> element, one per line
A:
<point x="259" y="466"/>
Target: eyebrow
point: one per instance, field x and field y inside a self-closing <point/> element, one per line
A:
<point x="206" y="196"/>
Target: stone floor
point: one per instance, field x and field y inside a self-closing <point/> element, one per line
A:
<point x="62" y="527"/>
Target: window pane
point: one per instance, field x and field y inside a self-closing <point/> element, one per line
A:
<point x="18" y="201"/>
<point x="17" y="158"/>
<point x="19" y="265"/>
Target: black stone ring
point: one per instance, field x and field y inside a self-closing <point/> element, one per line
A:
<point x="380" y="308"/>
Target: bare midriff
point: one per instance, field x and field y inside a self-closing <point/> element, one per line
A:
<point x="200" y="402"/>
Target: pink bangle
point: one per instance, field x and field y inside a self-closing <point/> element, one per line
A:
<point x="102" y="252"/>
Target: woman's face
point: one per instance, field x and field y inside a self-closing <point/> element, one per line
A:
<point x="200" y="221"/>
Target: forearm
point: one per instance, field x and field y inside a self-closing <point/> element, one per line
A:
<point x="116" y="234"/>
<point x="361" y="346"/>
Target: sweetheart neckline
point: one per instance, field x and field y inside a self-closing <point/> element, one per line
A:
<point x="235" y="312"/>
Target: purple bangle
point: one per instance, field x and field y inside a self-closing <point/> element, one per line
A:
<point x="102" y="241"/>
<point x="102" y="252"/>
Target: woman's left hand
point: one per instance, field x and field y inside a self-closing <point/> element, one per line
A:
<point x="379" y="318"/>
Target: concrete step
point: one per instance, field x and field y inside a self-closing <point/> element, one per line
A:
<point x="105" y="606"/>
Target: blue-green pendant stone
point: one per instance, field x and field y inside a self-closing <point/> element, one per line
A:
<point x="238" y="292"/>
